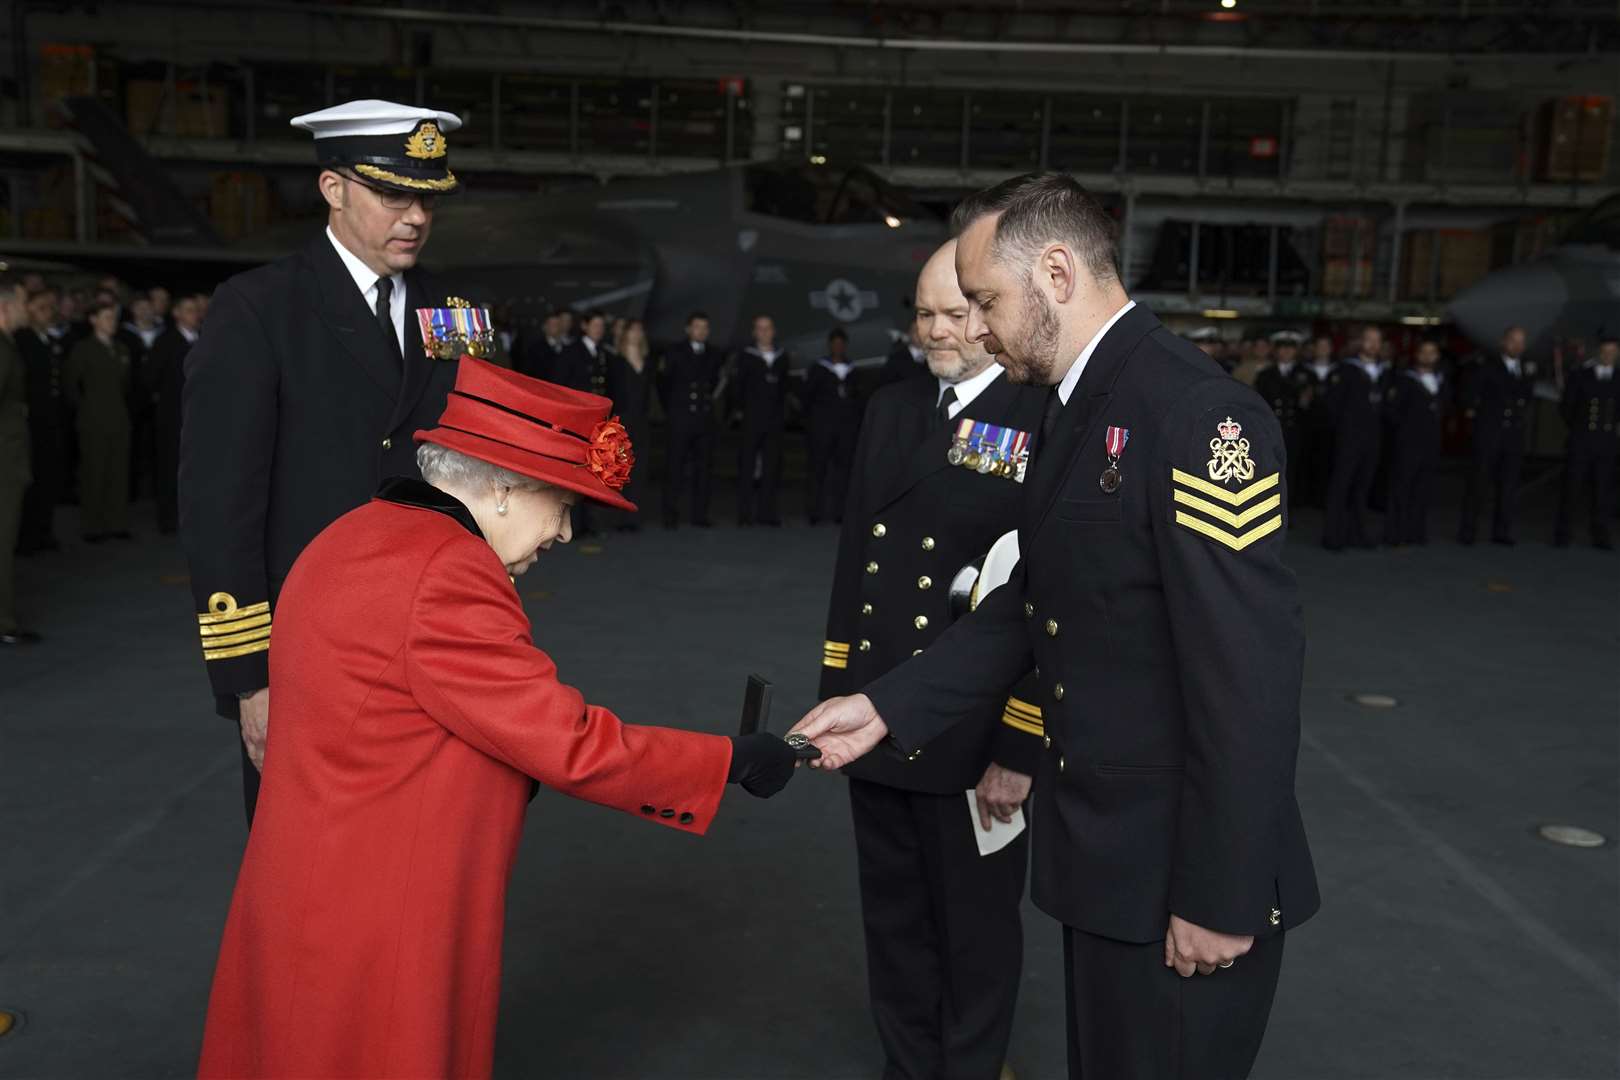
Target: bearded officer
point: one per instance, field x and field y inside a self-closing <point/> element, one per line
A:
<point x="944" y="944"/>
<point x="304" y="388"/>
<point x="1167" y="839"/>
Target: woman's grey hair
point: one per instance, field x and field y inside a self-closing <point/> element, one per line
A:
<point x="446" y="468"/>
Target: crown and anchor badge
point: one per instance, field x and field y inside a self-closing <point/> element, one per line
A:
<point x="427" y="142"/>
<point x="1231" y="454"/>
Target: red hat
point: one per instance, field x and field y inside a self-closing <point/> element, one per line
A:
<point x="538" y="429"/>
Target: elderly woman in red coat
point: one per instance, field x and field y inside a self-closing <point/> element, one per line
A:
<point x="412" y="711"/>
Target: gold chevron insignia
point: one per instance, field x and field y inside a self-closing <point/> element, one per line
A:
<point x="229" y="631"/>
<point x="1251" y="517"/>
<point x="426" y="142"/>
<point x="835" y="654"/>
<point x="1024" y="716"/>
<point x="1215" y="491"/>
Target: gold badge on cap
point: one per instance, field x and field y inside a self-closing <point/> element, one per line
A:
<point x="1231" y="450"/>
<point x="426" y="142"/>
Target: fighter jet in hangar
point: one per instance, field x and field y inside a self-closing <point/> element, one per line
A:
<point x="1571" y="292"/>
<point x="811" y="246"/>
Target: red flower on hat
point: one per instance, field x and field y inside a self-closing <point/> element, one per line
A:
<point x="609" y="454"/>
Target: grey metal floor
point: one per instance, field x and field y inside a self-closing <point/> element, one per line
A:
<point x="1452" y="943"/>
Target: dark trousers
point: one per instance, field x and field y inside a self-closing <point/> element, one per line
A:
<point x="250" y="780"/>
<point x="13" y="482"/>
<point x="830" y="461"/>
<point x="38" y="528"/>
<point x="1406" y="515"/>
<point x="1132" y="1018"/>
<point x="1498" y="458"/>
<point x="1591" y="469"/>
<point x="690" y="447"/>
<point x="944" y="944"/>
<point x="1317" y="445"/>
<point x="1354" y="463"/>
<point x="761" y="449"/>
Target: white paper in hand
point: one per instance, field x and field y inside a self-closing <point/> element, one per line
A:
<point x="1001" y="832"/>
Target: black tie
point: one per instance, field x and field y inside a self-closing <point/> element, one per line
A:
<point x="1049" y="419"/>
<point x="385" y="318"/>
<point x="942" y="414"/>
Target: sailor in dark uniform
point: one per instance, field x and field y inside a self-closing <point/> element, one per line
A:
<point x="305" y="386"/>
<point x="944" y="944"/>
<point x="43" y="356"/>
<point x="1415" y="405"/>
<point x="1592" y="412"/>
<point x="1354" y="399"/>
<point x="582" y="363"/>
<point x="538" y="356"/>
<point x="907" y="359"/>
<point x="1317" y="467"/>
<point x="1285" y="384"/>
<point x="165" y="367"/>
<point x="759" y="388"/>
<point x="689" y="375"/>
<point x="1496" y="393"/>
<point x="832" y="403"/>
<point x="1168" y="646"/>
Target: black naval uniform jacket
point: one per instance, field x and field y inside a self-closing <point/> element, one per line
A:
<point x="1498" y="402"/>
<point x="760" y="390"/>
<point x="689" y="381"/>
<point x="1589" y="408"/>
<point x="1169" y="648"/>
<point x="1415" y="417"/>
<point x="294" y="410"/>
<point x="911" y="522"/>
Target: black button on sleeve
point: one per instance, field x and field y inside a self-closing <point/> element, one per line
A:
<point x="666" y="813"/>
<point x="686" y="819"/>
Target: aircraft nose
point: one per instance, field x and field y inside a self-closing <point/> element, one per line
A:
<point x="1531" y="296"/>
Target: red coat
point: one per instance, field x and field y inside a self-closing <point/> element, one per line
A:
<point x="409" y="708"/>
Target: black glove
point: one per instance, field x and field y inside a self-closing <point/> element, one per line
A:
<point x="762" y="763"/>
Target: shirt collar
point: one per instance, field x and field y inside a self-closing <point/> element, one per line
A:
<point x="189" y="335"/>
<point x="971" y="387"/>
<point x="365" y="279"/>
<point x="1072" y="379"/>
<point x="590" y="345"/>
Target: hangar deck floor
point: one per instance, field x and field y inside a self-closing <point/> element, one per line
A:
<point x="1453" y="942"/>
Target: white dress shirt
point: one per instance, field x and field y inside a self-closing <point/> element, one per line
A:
<point x="189" y="335"/>
<point x="968" y="388"/>
<point x="590" y="345"/>
<point x="697" y="348"/>
<point x="365" y="279"/>
<point x="1512" y="364"/>
<point x="1072" y="379"/>
<point x="1430" y="380"/>
<point x="1603" y="371"/>
<point x="767" y="355"/>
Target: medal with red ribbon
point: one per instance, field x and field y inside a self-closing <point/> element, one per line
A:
<point x="1114" y="443"/>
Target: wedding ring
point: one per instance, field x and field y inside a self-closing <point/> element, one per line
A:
<point x="1228" y="964"/>
<point x="796" y="740"/>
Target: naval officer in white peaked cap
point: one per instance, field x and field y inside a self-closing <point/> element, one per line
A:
<point x="395" y="146"/>
<point x="303" y="391"/>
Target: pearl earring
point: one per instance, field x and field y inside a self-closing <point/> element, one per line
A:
<point x="500" y="508"/>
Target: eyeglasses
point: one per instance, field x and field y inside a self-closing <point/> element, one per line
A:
<point x="391" y="199"/>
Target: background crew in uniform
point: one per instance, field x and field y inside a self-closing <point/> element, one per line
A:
<point x="690" y="376"/>
<point x="1354" y="395"/>
<point x="1496" y="392"/>
<point x="1168" y="643"/>
<point x="42" y="354"/>
<point x="1285" y="385"/>
<point x="1592" y="412"/>
<point x="760" y="391"/>
<point x="14" y="452"/>
<point x="1415" y="404"/>
<point x="96" y="383"/>
<point x="944" y="943"/>
<point x="832" y="405"/>
<point x="303" y="390"/>
<point x="165" y="367"/>
<point x="907" y="359"/>
<point x="1318" y="423"/>
<point x="582" y="364"/>
<point x="630" y="385"/>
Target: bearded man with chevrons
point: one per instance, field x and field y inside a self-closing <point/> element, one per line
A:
<point x="1168" y="644"/>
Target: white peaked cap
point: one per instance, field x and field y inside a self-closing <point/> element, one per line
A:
<point x="371" y="117"/>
